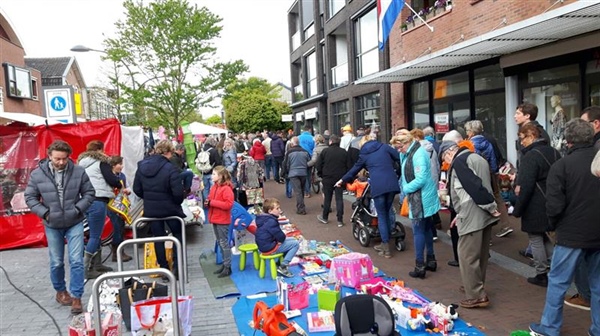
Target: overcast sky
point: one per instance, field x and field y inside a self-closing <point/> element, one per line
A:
<point x="253" y="30"/>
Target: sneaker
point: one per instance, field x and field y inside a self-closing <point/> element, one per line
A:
<point x="340" y="224"/>
<point x="322" y="220"/>
<point x="504" y="232"/>
<point x="577" y="301"/>
<point x="526" y="254"/>
<point x="345" y="192"/>
<point x="539" y="280"/>
<point x="435" y="239"/>
<point x="284" y="271"/>
<point x="535" y="329"/>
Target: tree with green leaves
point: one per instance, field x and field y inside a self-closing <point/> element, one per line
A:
<point x="252" y="105"/>
<point x="167" y="48"/>
<point x="214" y="119"/>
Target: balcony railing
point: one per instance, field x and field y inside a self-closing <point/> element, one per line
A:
<point x="298" y="93"/>
<point x="339" y="75"/>
<point x="439" y="8"/>
<point x="296" y="41"/>
<point x="312" y="87"/>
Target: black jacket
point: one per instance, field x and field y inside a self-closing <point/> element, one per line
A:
<point x="178" y="162"/>
<point x="332" y="163"/>
<point x="573" y="199"/>
<point x="158" y="183"/>
<point x="41" y="195"/>
<point x="268" y="232"/>
<point x="531" y="202"/>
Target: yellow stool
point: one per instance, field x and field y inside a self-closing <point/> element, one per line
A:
<point x="262" y="269"/>
<point x="253" y="248"/>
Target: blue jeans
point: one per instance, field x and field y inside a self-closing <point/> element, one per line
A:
<point x="187" y="176"/>
<point x="423" y="238"/>
<point x="565" y="261"/>
<point x="290" y="246"/>
<point x="383" y="204"/>
<point x="118" y="227"/>
<point x="207" y="181"/>
<point x="96" y="215"/>
<point x="288" y="188"/>
<point x="56" y="249"/>
<point x="308" y="182"/>
<point x="269" y="165"/>
<point x="581" y="279"/>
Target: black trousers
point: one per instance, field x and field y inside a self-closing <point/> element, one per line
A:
<point x="158" y="230"/>
<point x="454" y="235"/>
<point x="328" y="192"/>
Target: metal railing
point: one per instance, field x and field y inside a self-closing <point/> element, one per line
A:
<point x="135" y="273"/>
<point x="134" y="227"/>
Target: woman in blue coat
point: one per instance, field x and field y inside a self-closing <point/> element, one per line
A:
<point x="379" y="159"/>
<point x="423" y="201"/>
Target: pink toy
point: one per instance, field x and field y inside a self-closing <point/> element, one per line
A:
<point x="352" y="268"/>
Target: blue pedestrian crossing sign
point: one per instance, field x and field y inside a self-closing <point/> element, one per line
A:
<point x="58" y="103"/>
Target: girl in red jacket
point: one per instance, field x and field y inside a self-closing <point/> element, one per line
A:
<point x="219" y="204"/>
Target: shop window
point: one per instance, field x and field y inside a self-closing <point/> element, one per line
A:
<point x="458" y="113"/>
<point x="420" y="91"/>
<point x="367" y="110"/>
<point x="451" y="85"/>
<point x="490" y="110"/>
<point x="420" y="115"/>
<point x="553" y="74"/>
<point x="341" y="116"/>
<point x="488" y="78"/>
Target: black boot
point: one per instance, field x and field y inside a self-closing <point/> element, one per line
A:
<point x="225" y="273"/>
<point x="431" y="264"/>
<point x="419" y="271"/>
<point x="97" y="265"/>
<point x="219" y="270"/>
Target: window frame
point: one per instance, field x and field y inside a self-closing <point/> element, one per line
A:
<point x="13" y="80"/>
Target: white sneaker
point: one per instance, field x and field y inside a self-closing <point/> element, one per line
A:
<point x="504" y="232"/>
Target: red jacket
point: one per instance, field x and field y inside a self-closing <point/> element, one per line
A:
<point x="258" y="151"/>
<point x="221" y="202"/>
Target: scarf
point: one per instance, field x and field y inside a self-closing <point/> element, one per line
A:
<point x="415" y="200"/>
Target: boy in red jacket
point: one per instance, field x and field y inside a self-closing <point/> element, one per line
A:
<point x="270" y="239"/>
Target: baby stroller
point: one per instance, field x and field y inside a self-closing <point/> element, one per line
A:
<point x="364" y="223"/>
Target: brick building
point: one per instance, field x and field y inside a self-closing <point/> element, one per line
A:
<point x="482" y="58"/>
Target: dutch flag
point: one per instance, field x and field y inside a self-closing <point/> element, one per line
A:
<point x="387" y="12"/>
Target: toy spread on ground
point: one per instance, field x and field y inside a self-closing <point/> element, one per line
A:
<point x="324" y="272"/>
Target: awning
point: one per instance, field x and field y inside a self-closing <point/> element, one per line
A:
<point x="28" y="118"/>
<point x="567" y="21"/>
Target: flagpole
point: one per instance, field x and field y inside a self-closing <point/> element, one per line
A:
<point x="419" y="16"/>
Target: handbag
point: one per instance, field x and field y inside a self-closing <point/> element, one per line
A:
<point x="404" y="211"/>
<point x="121" y="205"/>
<point x="155" y="316"/>
<point x="81" y="325"/>
<point x="135" y="291"/>
<point x="150" y="261"/>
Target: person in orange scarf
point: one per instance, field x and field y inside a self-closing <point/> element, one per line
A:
<point x="462" y="143"/>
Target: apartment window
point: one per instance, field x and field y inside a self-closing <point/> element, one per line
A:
<point x="308" y="18"/>
<point x="34" y="90"/>
<point x="335" y="6"/>
<point x="367" y="109"/>
<point x="341" y="116"/>
<point x="367" y="57"/>
<point x="311" y="74"/>
<point x="19" y="81"/>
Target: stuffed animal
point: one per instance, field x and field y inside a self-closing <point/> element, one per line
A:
<point x="443" y="315"/>
<point x="418" y="321"/>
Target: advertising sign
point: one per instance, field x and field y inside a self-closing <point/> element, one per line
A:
<point x="441" y="122"/>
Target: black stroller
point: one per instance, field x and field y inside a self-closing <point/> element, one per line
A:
<point x="364" y="223"/>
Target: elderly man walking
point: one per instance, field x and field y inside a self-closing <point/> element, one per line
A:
<point x="295" y="167"/>
<point x="60" y="192"/>
<point x="572" y="200"/>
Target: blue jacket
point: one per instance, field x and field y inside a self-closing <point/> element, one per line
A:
<point x="158" y="183"/>
<point x="307" y="142"/>
<point x="268" y="233"/>
<point x="484" y="148"/>
<point x="277" y="146"/>
<point x="422" y="181"/>
<point x="379" y="160"/>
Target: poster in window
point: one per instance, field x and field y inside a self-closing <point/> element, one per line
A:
<point x="441" y="122"/>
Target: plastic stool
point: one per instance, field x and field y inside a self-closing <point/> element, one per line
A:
<point x="248" y="248"/>
<point x="262" y="269"/>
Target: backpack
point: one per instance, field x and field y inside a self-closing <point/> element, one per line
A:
<point x="203" y="161"/>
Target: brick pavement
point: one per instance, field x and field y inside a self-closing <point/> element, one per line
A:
<point x="515" y="303"/>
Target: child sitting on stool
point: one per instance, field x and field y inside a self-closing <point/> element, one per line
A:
<point x="270" y="239"/>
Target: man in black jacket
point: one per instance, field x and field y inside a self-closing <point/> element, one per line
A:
<point x="331" y="165"/>
<point x="572" y="203"/>
<point x="215" y="160"/>
<point x="60" y="192"/>
<point x="178" y="160"/>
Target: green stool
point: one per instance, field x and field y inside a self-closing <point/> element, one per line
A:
<point x="253" y="248"/>
<point x="262" y="269"/>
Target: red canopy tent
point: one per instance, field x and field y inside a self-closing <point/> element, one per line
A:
<point x="21" y="149"/>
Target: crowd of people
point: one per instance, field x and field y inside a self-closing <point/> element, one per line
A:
<point x="554" y="194"/>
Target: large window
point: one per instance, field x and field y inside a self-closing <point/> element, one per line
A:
<point x="18" y="81"/>
<point x="451" y="85"/>
<point x="367" y="110"/>
<point x="308" y="18"/>
<point x="311" y="74"/>
<point x="341" y="116"/>
<point x="367" y="55"/>
<point x="335" y="6"/>
<point x="490" y="110"/>
<point x="420" y="104"/>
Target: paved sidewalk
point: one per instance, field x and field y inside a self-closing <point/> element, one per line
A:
<point x="28" y="270"/>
